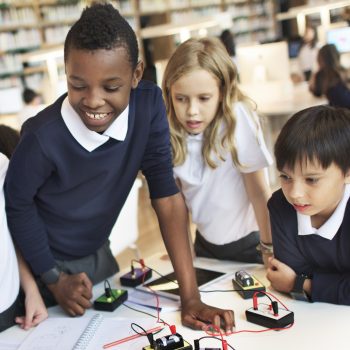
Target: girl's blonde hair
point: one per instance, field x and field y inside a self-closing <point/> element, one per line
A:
<point x="208" y="54"/>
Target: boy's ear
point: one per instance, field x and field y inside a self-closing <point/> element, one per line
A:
<point x="137" y="75"/>
<point x="347" y="177"/>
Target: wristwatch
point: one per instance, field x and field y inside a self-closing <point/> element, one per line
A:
<point x="51" y="276"/>
<point x="298" y="292"/>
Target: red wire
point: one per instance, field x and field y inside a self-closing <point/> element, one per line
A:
<point x="247" y="331"/>
<point x="252" y="331"/>
<point x="141" y="262"/>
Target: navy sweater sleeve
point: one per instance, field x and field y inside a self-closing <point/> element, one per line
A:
<point x="28" y="171"/>
<point x="328" y="261"/>
<point x="157" y="159"/>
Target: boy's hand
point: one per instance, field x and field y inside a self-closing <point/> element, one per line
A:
<point x="35" y="309"/>
<point x="197" y="315"/>
<point x="281" y="276"/>
<point x="266" y="258"/>
<point x="72" y="292"/>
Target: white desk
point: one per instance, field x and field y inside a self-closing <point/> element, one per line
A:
<point x="318" y="326"/>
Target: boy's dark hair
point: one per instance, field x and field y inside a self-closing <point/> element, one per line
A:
<point x="29" y="95"/>
<point x="9" y="139"/>
<point x="101" y="26"/>
<point x="316" y="134"/>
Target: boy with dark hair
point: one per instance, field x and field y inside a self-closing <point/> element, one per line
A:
<point x="310" y="215"/>
<point x="77" y="161"/>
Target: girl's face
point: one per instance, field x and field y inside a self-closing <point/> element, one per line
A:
<point x="196" y="98"/>
<point x="314" y="191"/>
<point x="99" y="85"/>
<point x="309" y="35"/>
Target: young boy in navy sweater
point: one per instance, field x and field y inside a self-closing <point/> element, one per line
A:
<point x="310" y="214"/>
<point x="77" y="161"/>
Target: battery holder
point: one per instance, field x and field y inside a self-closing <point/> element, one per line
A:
<point x="264" y="316"/>
<point x="248" y="292"/>
<point x="135" y="278"/>
<point x="113" y="299"/>
<point x="169" y="342"/>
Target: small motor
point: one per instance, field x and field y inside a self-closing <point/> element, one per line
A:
<point x="244" y="279"/>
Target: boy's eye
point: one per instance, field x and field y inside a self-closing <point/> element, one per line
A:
<point x="77" y="87"/>
<point x="112" y="88"/>
<point x="284" y="177"/>
<point x="311" y="180"/>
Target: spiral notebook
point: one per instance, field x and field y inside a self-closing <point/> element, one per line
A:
<point x="85" y="333"/>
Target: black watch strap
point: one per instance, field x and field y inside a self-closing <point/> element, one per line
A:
<point x="298" y="292"/>
<point x="51" y="276"/>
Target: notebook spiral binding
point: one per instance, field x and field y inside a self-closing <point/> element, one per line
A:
<point x="84" y="340"/>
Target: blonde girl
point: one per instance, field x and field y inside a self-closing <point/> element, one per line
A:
<point x="219" y="153"/>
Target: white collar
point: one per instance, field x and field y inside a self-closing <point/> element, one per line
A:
<point x="195" y="137"/>
<point x="90" y="140"/>
<point x="329" y="229"/>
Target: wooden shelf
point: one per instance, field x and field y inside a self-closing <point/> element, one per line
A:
<point x="171" y="29"/>
<point x="308" y="10"/>
<point x="15" y="26"/>
<point x="17" y="3"/>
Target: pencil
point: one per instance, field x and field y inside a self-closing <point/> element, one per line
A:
<point x="131" y="337"/>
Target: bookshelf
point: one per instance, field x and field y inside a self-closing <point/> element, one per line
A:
<point x="323" y="8"/>
<point x="28" y="26"/>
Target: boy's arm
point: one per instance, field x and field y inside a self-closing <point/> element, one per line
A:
<point x="258" y="193"/>
<point x="188" y="222"/>
<point x="35" y="310"/>
<point x="171" y="212"/>
<point x="282" y="269"/>
<point x="331" y="287"/>
<point x="28" y="170"/>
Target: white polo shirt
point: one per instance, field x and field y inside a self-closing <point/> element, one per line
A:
<point x="9" y="276"/>
<point x="217" y="198"/>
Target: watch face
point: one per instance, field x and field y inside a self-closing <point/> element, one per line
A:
<point x="298" y="291"/>
<point x="299" y="296"/>
<point x="51" y="276"/>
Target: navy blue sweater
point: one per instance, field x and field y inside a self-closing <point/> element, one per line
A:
<point x="62" y="201"/>
<point x="327" y="260"/>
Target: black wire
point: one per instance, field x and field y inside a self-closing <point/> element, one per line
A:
<point x="146" y="313"/>
<point x="263" y="293"/>
<point x="110" y="289"/>
<point x="161" y="275"/>
<point x="135" y="324"/>
<point x="212" y="337"/>
<point x="108" y="284"/>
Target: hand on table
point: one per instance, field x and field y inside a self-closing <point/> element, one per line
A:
<point x="35" y="310"/>
<point x="281" y="276"/>
<point x="197" y="315"/>
<point x="73" y="293"/>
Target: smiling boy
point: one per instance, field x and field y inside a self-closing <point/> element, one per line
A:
<point x="77" y="161"/>
<point x="310" y="214"/>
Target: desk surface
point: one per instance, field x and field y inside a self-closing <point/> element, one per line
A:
<point x="318" y="326"/>
<point x="281" y="97"/>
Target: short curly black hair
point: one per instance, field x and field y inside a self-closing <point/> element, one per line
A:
<point x="101" y="26"/>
